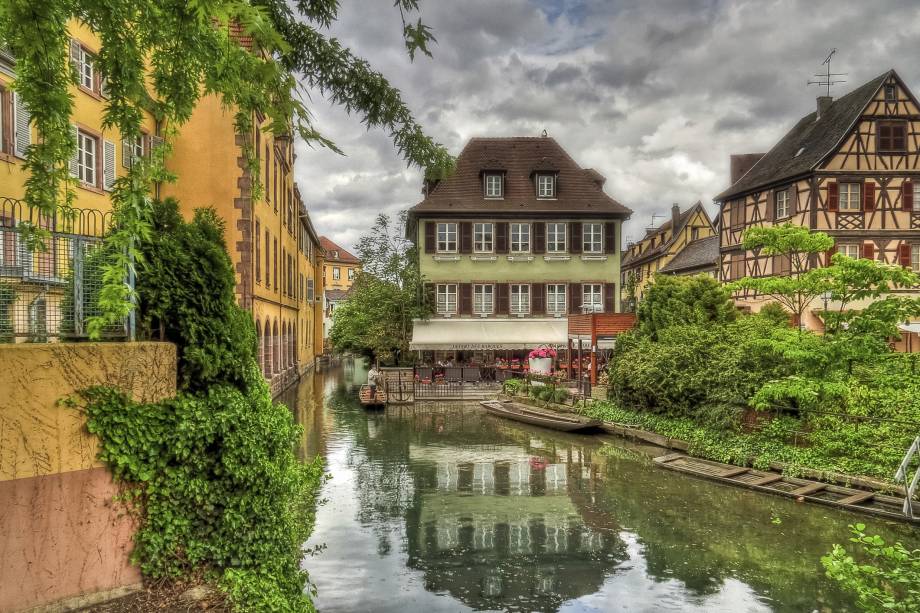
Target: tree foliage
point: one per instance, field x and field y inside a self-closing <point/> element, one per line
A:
<point x="161" y="56"/>
<point x="678" y="300"/>
<point x="387" y="296"/>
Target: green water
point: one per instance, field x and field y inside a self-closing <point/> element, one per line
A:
<point x="441" y="507"/>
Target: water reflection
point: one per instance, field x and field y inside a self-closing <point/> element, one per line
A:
<point x="441" y="507"/>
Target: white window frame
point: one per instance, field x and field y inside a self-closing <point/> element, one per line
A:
<point x="483" y="237"/>
<point x="849" y="196"/>
<point x="447" y="230"/>
<point x="137" y="147"/>
<point x="483" y="298"/>
<point x="519" y="299"/>
<point x="447" y="298"/>
<point x="556" y="237"/>
<point x="546" y="186"/>
<point x="351" y="274"/>
<point x="781" y="204"/>
<point x="336" y="273"/>
<point x="847" y="248"/>
<point x="494" y="185"/>
<point x="592" y="237"/>
<point x="556" y="296"/>
<point x="916" y="187"/>
<point x="520" y="232"/>
<point x="592" y="298"/>
<point x="87" y="161"/>
<point x="87" y="69"/>
<point x="915" y="258"/>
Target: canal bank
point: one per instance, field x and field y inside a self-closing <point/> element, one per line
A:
<point x="439" y="507"/>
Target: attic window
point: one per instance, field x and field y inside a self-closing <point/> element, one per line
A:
<point x="799" y="152"/>
<point x="546" y="186"/>
<point x="891" y="93"/>
<point x="492" y="182"/>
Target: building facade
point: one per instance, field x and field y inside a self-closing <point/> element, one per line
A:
<point x="341" y="267"/>
<point x="850" y="169"/>
<point x="661" y="245"/>
<point x="510" y="244"/>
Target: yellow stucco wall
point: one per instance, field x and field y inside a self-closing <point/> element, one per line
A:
<point x="343" y="282"/>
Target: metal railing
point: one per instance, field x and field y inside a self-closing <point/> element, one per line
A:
<point x="49" y="289"/>
<point x="901" y="476"/>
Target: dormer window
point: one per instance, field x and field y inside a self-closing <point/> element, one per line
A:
<point x="494" y="187"/>
<point x="891" y="93"/>
<point x="546" y="186"/>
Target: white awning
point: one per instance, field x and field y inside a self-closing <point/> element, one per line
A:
<point x="912" y="326"/>
<point x="488" y="334"/>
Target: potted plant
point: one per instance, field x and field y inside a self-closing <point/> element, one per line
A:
<point x="541" y="360"/>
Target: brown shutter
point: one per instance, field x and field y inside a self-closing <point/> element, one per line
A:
<point x="575" y="237"/>
<point x="539" y="237"/>
<point x="466" y="237"/>
<point x="907" y="196"/>
<point x="501" y="302"/>
<point x="869" y="196"/>
<point x="430" y="236"/>
<point x="575" y="297"/>
<point x="501" y="237"/>
<point x="793" y="199"/>
<point x="770" y="213"/>
<point x="868" y="251"/>
<point x="904" y="255"/>
<point x="610" y="237"/>
<point x="537" y="299"/>
<point x="430" y="298"/>
<point x="829" y="255"/>
<point x="610" y="297"/>
<point x="466" y="298"/>
<point x="833" y="196"/>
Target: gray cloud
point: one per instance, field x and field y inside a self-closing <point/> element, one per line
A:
<point x="655" y="94"/>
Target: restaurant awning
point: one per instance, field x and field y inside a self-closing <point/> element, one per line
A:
<point x="488" y="334"/>
<point x="912" y="326"/>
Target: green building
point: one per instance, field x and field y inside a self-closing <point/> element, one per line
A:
<point x="518" y="238"/>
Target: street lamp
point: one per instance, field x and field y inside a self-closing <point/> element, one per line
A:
<point x="825" y="296"/>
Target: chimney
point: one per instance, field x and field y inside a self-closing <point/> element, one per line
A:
<point x="824" y="103"/>
<point x="675" y="215"/>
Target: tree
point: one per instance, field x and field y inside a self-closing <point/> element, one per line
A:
<point x="377" y="316"/>
<point x="797" y="290"/>
<point x="161" y="56"/>
<point x="675" y="300"/>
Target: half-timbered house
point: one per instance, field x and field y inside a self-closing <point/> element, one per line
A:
<point x="850" y="169"/>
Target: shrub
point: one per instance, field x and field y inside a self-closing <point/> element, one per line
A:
<point x="676" y="301"/>
<point x="512" y="387"/>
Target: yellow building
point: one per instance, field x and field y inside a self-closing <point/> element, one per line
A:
<point x="660" y="246"/>
<point x="274" y="248"/>
<point x="341" y="268"/>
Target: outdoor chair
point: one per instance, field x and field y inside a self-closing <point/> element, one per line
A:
<point x="471" y="375"/>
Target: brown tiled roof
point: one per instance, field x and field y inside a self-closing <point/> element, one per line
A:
<point x="808" y="143"/>
<point x="663" y="247"/>
<point x="337" y="294"/>
<point x="579" y="190"/>
<point x="344" y="256"/>
<point x="701" y="253"/>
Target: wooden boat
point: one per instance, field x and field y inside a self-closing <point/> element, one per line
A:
<point x="537" y="417"/>
<point x="805" y="490"/>
<point x="378" y="401"/>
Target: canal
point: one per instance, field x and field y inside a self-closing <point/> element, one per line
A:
<point x="440" y="507"/>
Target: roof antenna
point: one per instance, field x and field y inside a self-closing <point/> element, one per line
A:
<point x="544" y="133"/>
<point x="827" y="79"/>
<point x="654" y="216"/>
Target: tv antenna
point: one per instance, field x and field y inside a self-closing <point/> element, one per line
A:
<point x="827" y="79"/>
<point x="652" y="225"/>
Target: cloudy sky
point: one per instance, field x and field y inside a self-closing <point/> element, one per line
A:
<point x="654" y="94"/>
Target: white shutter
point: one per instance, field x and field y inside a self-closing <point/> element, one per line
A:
<point x="75" y="156"/>
<point x="155" y="142"/>
<point x="108" y="165"/>
<point x="103" y="86"/>
<point x="75" y="58"/>
<point x="22" y="137"/>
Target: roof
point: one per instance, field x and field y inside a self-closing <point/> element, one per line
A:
<point x="336" y="294"/>
<point x="809" y="142"/>
<point x="701" y="253"/>
<point x="476" y="334"/>
<point x="342" y="255"/>
<point x="663" y="247"/>
<point x="579" y="190"/>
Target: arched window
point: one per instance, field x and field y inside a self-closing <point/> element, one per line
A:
<point x="294" y="345"/>
<point x="261" y="351"/>
<point x="276" y="349"/>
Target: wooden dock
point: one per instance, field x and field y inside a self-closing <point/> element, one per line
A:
<point x="804" y="490"/>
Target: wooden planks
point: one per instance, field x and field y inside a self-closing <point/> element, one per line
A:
<point x="807" y="490"/>
<point x="766" y="480"/>
<point x="858" y="498"/>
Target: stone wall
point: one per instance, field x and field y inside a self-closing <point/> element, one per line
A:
<point x="61" y="533"/>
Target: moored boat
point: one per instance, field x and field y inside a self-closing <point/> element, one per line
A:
<point x="377" y="401"/>
<point x="537" y="417"/>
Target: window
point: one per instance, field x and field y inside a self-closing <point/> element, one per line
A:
<point x="915" y="258"/>
<point x="916" y="186"/>
<point x="782" y="265"/>
<point x="447" y="237"/>
<point x="891" y="93"/>
<point x="351" y="274"/>
<point x="336" y="273"/>
<point x="546" y="186"/>
<point x="310" y="290"/>
<point x="736" y="213"/>
<point x="483" y="298"/>
<point x="258" y="252"/>
<point x="849" y="197"/>
<point x="592" y="237"/>
<point x="694" y="233"/>
<point x="555" y="298"/>
<point x="493" y="185"/>
<point x="520" y="237"/>
<point x="520" y="299"/>
<point x="132" y="150"/>
<point x="555" y="237"/>
<point x="592" y="300"/>
<point x="86" y="157"/>
<point x="447" y="298"/>
<point x="483" y="237"/>
<point x="83" y="60"/>
<point x="268" y="281"/>
<point x="851" y="250"/>
<point x="275" y="263"/>
<point x="892" y="137"/>
<point x="737" y="266"/>
<point x="781" y="201"/>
